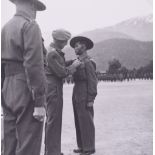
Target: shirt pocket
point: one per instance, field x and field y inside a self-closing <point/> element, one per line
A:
<point x="81" y="71"/>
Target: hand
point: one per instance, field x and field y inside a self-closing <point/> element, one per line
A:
<point x="72" y="70"/>
<point x="90" y="104"/>
<point x="76" y="63"/>
<point x="39" y="113"/>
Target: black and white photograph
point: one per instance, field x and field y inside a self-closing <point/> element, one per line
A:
<point x="76" y="77"/>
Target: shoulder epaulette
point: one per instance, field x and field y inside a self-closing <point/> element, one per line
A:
<point x="52" y="51"/>
<point x="26" y="18"/>
<point x="93" y="62"/>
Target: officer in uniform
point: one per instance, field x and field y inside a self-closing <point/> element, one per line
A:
<point x="57" y="69"/>
<point x="25" y="82"/>
<point x="84" y="93"/>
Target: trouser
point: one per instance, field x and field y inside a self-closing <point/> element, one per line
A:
<point x="22" y="132"/>
<point x="84" y="123"/>
<point x="54" y="117"/>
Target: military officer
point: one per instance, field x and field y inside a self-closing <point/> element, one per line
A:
<point x="56" y="71"/>
<point x="84" y="93"/>
<point x="25" y="82"/>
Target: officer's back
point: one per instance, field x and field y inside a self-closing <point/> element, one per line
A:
<point x="12" y="37"/>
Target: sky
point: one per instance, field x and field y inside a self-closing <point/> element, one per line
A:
<point x="79" y="16"/>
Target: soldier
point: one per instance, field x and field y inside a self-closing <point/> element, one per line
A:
<point x="24" y="84"/>
<point x="56" y="71"/>
<point x="84" y="93"/>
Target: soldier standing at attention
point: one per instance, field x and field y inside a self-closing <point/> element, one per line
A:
<point x="84" y="93"/>
<point x="57" y="69"/>
<point x="25" y="82"/>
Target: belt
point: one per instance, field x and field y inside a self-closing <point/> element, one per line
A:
<point x="80" y="81"/>
<point x="13" y="68"/>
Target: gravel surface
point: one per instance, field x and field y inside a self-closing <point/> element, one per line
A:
<point x="123" y="119"/>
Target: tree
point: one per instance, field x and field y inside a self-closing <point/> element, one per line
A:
<point x="114" y="66"/>
<point x="149" y="67"/>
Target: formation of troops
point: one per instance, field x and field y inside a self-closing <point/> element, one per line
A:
<point x="33" y="85"/>
<point x="106" y="77"/>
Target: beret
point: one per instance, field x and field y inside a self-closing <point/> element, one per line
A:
<point x="61" y="34"/>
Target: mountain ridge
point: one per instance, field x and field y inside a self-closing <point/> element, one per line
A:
<point x="138" y="28"/>
<point x="131" y="53"/>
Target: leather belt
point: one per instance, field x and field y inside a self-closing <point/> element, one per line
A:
<point x="13" y="68"/>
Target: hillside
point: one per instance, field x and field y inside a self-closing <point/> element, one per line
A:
<point x="130" y="41"/>
<point x="131" y="53"/>
<point x="138" y="28"/>
<point x="99" y="35"/>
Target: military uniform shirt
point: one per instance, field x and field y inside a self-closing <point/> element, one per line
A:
<point x="56" y="64"/>
<point x="22" y="42"/>
<point x="86" y="73"/>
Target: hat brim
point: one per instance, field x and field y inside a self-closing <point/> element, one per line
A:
<point x="38" y="5"/>
<point x="89" y="43"/>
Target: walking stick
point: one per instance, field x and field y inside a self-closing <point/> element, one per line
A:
<point x="43" y="138"/>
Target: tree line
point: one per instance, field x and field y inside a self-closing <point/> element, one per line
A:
<point x="117" y="72"/>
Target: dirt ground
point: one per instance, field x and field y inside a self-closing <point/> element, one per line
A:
<point x="123" y="119"/>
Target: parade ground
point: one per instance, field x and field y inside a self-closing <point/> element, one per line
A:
<point x="123" y="119"/>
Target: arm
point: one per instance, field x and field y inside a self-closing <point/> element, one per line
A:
<point x="33" y="62"/>
<point x="60" y="70"/>
<point x="92" y="81"/>
<point x="69" y="62"/>
<point x="44" y="52"/>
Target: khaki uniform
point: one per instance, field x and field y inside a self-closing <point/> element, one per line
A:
<point x="84" y="91"/>
<point x="56" y="70"/>
<point x="24" y="85"/>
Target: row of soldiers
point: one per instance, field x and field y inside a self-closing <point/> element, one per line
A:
<point x="33" y="85"/>
<point x="115" y="77"/>
<point x="123" y="77"/>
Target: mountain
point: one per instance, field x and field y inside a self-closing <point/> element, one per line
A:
<point x="131" y="53"/>
<point x="99" y="35"/>
<point x="139" y="28"/>
<point x="130" y="41"/>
